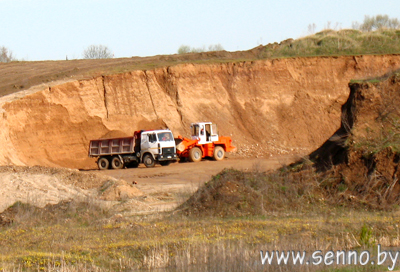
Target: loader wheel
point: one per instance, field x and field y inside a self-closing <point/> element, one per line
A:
<point x="219" y="153"/>
<point x="165" y="163"/>
<point x="103" y="163"/>
<point x="195" y="154"/>
<point x="116" y="163"/>
<point x="148" y="160"/>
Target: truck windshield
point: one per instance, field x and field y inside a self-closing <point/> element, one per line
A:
<point x="165" y="136"/>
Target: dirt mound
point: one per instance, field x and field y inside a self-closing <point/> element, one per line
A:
<point x="76" y="178"/>
<point x="237" y="193"/>
<point x="61" y="212"/>
<point x="357" y="167"/>
<point x="268" y="107"/>
<point x="367" y="181"/>
<point x="40" y="186"/>
<point x="118" y="190"/>
<point x="227" y="194"/>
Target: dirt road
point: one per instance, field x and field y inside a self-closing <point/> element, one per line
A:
<point x="168" y="186"/>
<point x="158" y="189"/>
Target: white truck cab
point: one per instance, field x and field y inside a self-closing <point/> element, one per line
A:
<point x="205" y="132"/>
<point x="157" y="145"/>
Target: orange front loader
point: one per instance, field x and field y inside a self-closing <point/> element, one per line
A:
<point x="205" y="142"/>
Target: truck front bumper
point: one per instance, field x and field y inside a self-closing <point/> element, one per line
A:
<point x="168" y="157"/>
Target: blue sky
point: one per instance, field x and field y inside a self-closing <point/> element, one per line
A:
<point x="53" y="29"/>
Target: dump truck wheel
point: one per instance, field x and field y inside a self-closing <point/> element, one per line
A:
<point x="219" y="153"/>
<point x="116" y="163"/>
<point x="103" y="163"/>
<point x="195" y="154"/>
<point x="165" y="163"/>
<point x="148" y="160"/>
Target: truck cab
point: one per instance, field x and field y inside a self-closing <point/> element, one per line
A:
<point x="156" y="146"/>
<point x="205" y="132"/>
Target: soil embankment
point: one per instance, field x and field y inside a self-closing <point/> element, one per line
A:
<point x="357" y="167"/>
<point x="281" y="106"/>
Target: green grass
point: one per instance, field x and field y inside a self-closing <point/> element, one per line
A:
<point x="336" y="43"/>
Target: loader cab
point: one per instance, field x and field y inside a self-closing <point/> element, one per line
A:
<point x="204" y="132"/>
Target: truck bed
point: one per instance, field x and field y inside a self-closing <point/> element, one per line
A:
<point x="114" y="146"/>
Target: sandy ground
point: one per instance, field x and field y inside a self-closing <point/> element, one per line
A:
<point x="37" y="189"/>
<point x="165" y="187"/>
<point x="142" y="190"/>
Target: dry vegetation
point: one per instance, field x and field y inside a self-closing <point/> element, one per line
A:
<point x="81" y="237"/>
<point x="222" y="227"/>
<point x="350" y="204"/>
<point x="343" y="42"/>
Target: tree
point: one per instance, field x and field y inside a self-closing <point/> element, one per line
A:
<point x="377" y="22"/>
<point x="5" y="54"/>
<point x="97" y="52"/>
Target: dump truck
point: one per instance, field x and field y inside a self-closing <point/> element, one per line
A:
<point x="204" y="142"/>
<point x="146" y="146"/>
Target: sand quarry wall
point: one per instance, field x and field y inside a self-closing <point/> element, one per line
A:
<point x="283" y="106"/>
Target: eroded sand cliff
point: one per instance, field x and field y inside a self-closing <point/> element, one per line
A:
<point x="286" y="105"/>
